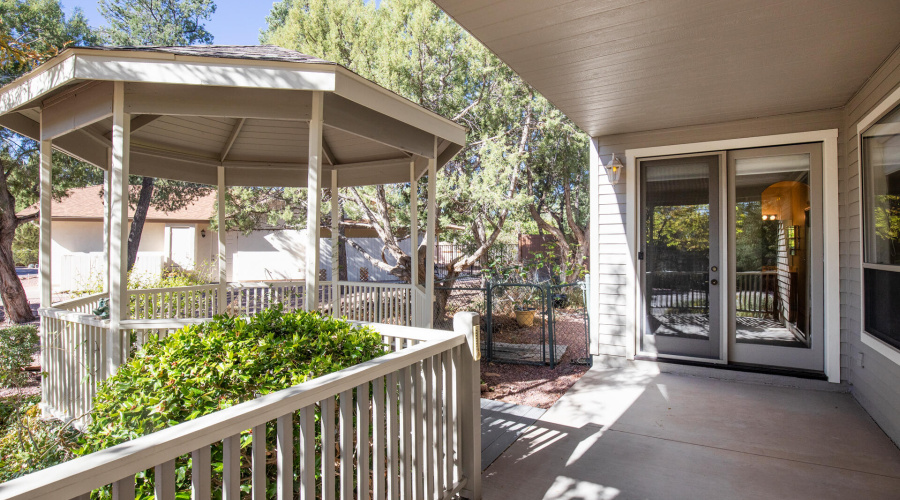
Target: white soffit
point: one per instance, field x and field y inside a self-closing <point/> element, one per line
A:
<point x="627" y="65"/>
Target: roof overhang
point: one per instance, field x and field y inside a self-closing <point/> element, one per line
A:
<point x="625" y="66"/>
<point x="192" y="114"/>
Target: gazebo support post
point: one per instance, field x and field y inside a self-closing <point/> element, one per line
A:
<point x="222" y="289"/>
<point x="335" y="245"/>
<point x="106" y="226"/>
<point x="46" y="177"/>
<point x="430" y="238"/>
<point x="414" y="241"/>
<point x="314" y="203"/>
<point x="118" y="238"/>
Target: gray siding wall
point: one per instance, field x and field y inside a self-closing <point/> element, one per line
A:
<point x="613" y="249"/>
<point x="876" y="381"/>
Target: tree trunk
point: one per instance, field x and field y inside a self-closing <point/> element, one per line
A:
<point x="15" y="302"/>
<point x="140" y="215"/>
<point x="342" y="250"/>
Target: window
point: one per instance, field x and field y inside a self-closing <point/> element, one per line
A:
<point x="880" y="156"/>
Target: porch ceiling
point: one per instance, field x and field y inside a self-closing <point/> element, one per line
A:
<point x="630" y="65"/>
<point x="247" y="109"/>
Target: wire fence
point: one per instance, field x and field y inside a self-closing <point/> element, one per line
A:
<point x="540" y="324"/>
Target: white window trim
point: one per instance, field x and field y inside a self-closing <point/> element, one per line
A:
<point x="831" y="283"/>
<point x="881" y="347"/>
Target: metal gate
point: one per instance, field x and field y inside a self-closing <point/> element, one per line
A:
<point x="540" y="324"/>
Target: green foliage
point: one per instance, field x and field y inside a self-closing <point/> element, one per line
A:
<point x="37" y="29"/>
<point x="204" y="368"/>
<point x="412" y="48"/>
<point x="18" y="344"/>
<point x="25" y="244"/>
<point x="28" y="443"/>
<point x="157" y="22"/>
<point x="172" y="278"/>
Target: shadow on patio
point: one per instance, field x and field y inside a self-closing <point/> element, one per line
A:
<point x="637" y="433"/>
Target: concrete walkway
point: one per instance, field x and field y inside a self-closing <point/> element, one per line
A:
<point x="635" y="433"/>
<point x="501" y="424"/>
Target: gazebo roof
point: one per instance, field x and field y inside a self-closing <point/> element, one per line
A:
<point x="245" y="108"/>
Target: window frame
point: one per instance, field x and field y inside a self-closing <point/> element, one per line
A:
<point x="875" y="341"/>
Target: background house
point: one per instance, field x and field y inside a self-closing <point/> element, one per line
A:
<point x="183" y="239"/>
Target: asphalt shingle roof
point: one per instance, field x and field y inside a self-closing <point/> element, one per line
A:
<point x="253" y="52"/>
<point x="87" y="203"/>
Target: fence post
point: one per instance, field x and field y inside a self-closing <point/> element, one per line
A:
<point x="467" y="323"/>
<point x="549" y="303"/>
<point x="489" y="312"/>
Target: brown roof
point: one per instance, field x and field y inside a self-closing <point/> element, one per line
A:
<point x="87" y="204"/>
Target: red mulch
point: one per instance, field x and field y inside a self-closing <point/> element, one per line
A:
<point x="529" y="385"/>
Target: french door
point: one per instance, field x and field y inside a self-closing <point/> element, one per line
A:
<point x="680" y="256"/>
<point x="776" y="257"/>
<point x="731" y="257"/>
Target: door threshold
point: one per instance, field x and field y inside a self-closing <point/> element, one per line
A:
<point x="741" y="367"/>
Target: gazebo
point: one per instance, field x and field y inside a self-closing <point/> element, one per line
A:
<point x="224" y="116"/>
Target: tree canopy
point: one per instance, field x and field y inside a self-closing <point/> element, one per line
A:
<point x="520" y="150"/>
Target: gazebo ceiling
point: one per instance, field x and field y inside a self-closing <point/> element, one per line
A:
<point x="194" y="109"/>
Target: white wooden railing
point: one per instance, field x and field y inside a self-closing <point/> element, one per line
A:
<point x="387" y="303"/>
<point x="86" y="304"/>
<point x="75" y="355"/>
<point x="402" y="426"/>
<point x="200" y="301"/>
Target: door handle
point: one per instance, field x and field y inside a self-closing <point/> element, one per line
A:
<point x="714" y="282"/>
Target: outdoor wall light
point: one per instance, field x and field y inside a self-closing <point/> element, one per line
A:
<point x="613" y="170"/>
<point x="769" y="217"/>
<point x="203" y="233"/>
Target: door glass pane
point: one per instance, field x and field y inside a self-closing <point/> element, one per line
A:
<point x="676" y="241"/>
<point x="772" y="250"/>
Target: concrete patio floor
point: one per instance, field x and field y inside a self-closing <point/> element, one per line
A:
<point x="636" y="433"/>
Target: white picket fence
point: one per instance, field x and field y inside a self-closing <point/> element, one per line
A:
<point x="402" y="426"/>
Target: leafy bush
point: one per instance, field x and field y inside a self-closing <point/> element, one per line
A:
<point x="171" y="278"/>
<point x="208" y="367"/>
<point x="18" y="344"/>
<point x="28" y="443"/>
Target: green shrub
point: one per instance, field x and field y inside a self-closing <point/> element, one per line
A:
<point x="204" y="368"/>
<point x="29" y="443"/>
<point x="18" y="344"/>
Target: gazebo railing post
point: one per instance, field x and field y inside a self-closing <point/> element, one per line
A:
<point x="314" y="202"/>
<point x="118" y="248"/>
<point x="414" y="242"/>
<point x="222" y="289"/>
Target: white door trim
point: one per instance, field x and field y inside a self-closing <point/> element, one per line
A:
<point x="831" y="253"/>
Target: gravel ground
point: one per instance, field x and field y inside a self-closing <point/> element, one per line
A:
<point x="33" y="387"/>
<point x="528" y="385"/>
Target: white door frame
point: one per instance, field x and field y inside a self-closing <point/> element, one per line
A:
<point x="831" y="235"/>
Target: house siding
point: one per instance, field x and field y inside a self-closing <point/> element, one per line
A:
<point x="874" y="379"/>
<point x="611" y="333"/>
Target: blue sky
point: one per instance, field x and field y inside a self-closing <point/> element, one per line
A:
<point x="236" y="22"/>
